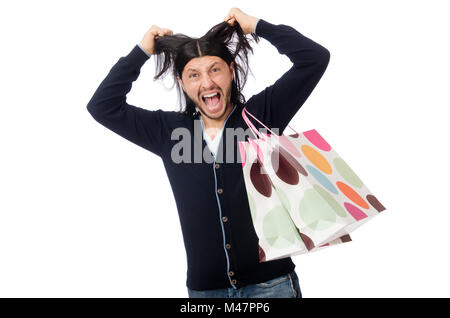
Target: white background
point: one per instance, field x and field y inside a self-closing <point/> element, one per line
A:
<point x="85" y="213"/>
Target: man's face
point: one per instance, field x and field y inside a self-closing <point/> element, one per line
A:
<point x="208" y="75"/>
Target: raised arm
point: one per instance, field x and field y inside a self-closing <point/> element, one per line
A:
<point x="277" y="104"/>
<point x="108" y="105"/>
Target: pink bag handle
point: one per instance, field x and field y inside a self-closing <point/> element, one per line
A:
<point x="253" y="128"/>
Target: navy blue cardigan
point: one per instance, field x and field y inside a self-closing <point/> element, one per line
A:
<point x="220" y="241"/>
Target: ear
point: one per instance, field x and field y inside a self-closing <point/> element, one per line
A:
<point x="232" y="70"/>
<point x="181" y="82"/>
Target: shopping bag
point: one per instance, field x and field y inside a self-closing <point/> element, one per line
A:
<point x="302" y="194"/>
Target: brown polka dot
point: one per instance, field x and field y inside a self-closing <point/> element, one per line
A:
<point x="262" y="255"/>
<point x="260" y="179"/>
<point x="293" y="162"/>
<point x="346" y="238"/>
<point x="286" y="172"/>
<point x="375" y="203"/>
<point x="307" y="241"/>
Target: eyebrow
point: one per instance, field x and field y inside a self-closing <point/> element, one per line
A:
<point x="193" y="69"/>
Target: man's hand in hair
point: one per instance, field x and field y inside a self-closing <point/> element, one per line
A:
<point x="246" y="21"/>
<point x="148" y="41"/>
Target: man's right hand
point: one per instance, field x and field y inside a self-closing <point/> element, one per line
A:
<point x="148" y="41"/>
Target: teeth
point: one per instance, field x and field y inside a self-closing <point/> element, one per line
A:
<point x="210" y="95"/>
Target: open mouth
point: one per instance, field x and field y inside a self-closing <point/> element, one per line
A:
<point x="212" y="101"/>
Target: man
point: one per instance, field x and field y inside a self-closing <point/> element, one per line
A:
<point x="223" y="255"/>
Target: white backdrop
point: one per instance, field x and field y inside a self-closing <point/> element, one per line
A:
<point x="85" y="213"/>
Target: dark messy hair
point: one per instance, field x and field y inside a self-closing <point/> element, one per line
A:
<point x="173" y="52"/>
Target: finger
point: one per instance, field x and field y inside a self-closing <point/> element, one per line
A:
<point x="228" y="18"/>
<point x="158" y="33"/>
<point x="231" y="21"/>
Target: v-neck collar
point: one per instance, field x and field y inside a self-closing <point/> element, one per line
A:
<point x="219" y="136"/>
<point x="205" y="135"/>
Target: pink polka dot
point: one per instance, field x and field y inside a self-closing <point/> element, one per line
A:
<point x="316" y="139"/>
<point x="286" y="143"/>
<point x="354" y="211"/>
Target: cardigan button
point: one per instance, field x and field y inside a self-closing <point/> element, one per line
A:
<point x="228" y="246"/>
<point x="225" y="219"/>
<point x="219" y="191"/>
<point x="234" y="282"/>
<point x="217" y="166"/>
<point x="231" y="273"/>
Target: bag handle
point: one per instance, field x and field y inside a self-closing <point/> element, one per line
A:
<point x="253" y="128"/>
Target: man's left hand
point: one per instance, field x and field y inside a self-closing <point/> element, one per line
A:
<point x="246" y="22"/>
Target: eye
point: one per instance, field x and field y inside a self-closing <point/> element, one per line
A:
<point x="216" y="68"/>
<point x="191" y="75"/>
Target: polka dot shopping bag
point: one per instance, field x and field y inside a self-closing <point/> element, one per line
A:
<point x="302" y="195"/>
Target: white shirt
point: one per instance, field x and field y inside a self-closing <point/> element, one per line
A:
<point x="213" y="144"/>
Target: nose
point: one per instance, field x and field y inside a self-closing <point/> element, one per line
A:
<point x="207" y="82"/>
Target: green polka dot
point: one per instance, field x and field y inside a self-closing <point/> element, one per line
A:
<point x="315" y="211"/>
<point x="347" y="173"/>
<point x="284" y="199"/>
<point x="338" y="209"/>
<point x="252" y="204"/>
<point x="278" y="228"/>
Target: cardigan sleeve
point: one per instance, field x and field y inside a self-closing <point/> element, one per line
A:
<point x="149" y="55"/>
<point x="108" y="105"/>
<point x="277" y="104"/>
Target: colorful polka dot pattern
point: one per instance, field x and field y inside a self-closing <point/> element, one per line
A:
<point x="317" y="140"/>
<point x="322" y="179"/>
<point x="302" y="195"/>
<point x="316" y="159"/>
